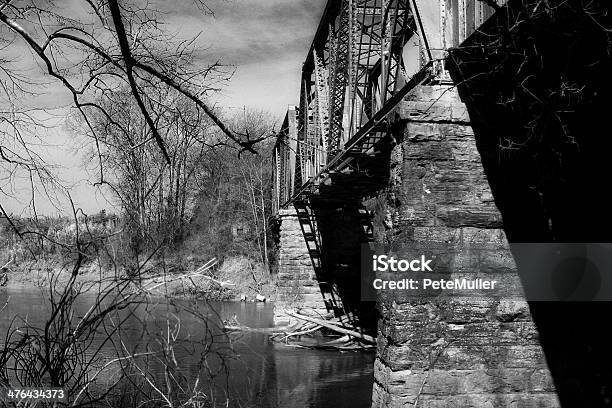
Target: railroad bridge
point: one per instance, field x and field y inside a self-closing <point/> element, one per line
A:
<point x="416" y="123"/>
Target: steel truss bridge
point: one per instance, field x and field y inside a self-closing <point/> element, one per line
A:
<point x="366" y="57"/>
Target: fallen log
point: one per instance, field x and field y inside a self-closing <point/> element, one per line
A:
<point x="328" y="346"/>
<point x="333" y="327"/>
<point x="300" y="333"/>
<point x="340" y="340"/>
<point x="303" y="326"/>
<point x="338" y="323"/>
<point x="160" y="280"/>
<point x="265" y="330"/>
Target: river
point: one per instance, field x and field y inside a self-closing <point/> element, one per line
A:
<point x="248" y="369"/>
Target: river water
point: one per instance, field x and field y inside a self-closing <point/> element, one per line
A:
<point x="234" y="369"/>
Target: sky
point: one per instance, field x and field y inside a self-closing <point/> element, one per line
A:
<point x="266" y="41"/>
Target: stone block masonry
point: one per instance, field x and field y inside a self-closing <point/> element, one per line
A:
<point x="297" y="285"/>
<point x="462" y="352"/>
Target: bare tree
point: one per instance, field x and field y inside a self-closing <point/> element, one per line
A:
<point x="157" y="198"/>
<point x="111" y="46"/>
<point x="256" y="177"/>
<point x="109" y="56"/>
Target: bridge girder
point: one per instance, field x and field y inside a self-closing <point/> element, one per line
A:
<point x="364" y="57"/>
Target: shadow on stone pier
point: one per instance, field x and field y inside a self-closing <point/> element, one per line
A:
<point x="538" y="110"/>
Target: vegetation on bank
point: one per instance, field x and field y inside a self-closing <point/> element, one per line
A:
<point x="218" y="206"/>
<point x="44" y="254"/>
<point x="211" y="200"/>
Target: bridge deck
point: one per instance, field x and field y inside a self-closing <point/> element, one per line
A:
<point x="367" y="55"/>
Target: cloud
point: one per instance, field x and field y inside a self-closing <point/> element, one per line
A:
<point x="248" y="30"/>
<point x="267" y="40"/>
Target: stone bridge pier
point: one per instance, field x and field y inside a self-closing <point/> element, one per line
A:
<point x="297" y="284"/>
<point x="341" y="229"/>
<point x="458" y="352"/>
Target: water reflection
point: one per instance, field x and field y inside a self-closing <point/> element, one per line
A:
<point x="248" y="369"/>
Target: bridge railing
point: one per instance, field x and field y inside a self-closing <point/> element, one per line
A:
<point x="284" y="161"/>
<point x="364" y="53"/>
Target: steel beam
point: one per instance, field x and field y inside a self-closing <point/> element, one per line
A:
<point x="354" y="73"/>
<point x="339" y="74"/>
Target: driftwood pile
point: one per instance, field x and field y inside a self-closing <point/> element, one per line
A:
<point x="325" y="332"/>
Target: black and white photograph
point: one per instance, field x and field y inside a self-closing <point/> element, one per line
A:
<point x="305" y="203"/>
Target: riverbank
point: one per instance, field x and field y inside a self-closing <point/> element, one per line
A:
<point x="234" y="279"/>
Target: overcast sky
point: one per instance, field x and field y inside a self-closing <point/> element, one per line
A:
<point x="266" y="41"/>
